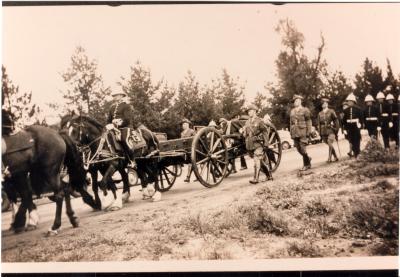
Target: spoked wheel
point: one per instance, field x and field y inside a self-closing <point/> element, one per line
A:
<point x="167" y="177"/>
<point x="273" y="152"/>
<point x="209" y="157"/>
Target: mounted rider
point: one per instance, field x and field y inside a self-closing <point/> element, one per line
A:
<point x="119" y="117"/>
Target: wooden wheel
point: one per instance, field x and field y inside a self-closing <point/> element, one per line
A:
<point x="273" y="152"/>
<point x="209" y="157"/>
<point x="167" y="177"/>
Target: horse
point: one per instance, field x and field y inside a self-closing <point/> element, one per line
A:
<point x="88" y="135"/>
<point x="35" y="157"/>
<point x="100" y="150"/>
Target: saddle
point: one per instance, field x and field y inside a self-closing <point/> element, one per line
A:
<point x="17" y="142"/>
<point x="134" y="142"/>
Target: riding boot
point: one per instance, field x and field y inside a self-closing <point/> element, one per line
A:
<point x="335" y="158"/>
<point x="256" y="176"/>
<point x="266" y="171"/>
<point x="306" y="162"/>
<point x="329" y="156"/>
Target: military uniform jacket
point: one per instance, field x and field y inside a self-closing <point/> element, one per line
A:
<point x="120" y="110"/>
<point x="328" y="122"/>
<point x="394" y="112"/>
<point x="384" y="114"/>
<point x="371" y="117"/>
<point x="187" y="133"/>
<point x="352" y="116"/>
<point x="255" y="133"/>
<point x="300" y="122"/>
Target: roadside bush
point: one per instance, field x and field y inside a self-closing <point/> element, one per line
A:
<point x="378" y="216"/>
<point x="374" y="152"/>
<point x="304" y="249"/>
<point x="266" y="220"/>
<point x="316" y="207"/>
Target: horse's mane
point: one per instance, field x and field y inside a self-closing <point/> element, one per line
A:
<point x="92" y="121"/>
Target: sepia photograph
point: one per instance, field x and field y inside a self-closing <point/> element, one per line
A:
<point x="167" y="136"/>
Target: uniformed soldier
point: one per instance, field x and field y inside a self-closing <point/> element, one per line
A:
<point x="328" y="127"/>
<point x="341" y="115"/>
<point x="352" y="120"/>
<point x="394" y="114"/>
<point x="255" y="134"/>
<point x="300" y="129"/>
<point x="371" y="117"/>
<point x="119" y="117"/>
<point x="186" y="133"/>
<point x="384" y="119"/>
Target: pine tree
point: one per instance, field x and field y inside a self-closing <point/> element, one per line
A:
<point x="18" y="103"/>
<point x="86" y="91"/>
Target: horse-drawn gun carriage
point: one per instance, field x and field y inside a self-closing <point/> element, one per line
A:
<point x="211" y="153"/>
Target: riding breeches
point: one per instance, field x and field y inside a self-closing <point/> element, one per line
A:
<point x="301" y="144"/>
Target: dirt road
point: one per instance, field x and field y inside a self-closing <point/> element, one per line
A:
<point x="128" y="234"/>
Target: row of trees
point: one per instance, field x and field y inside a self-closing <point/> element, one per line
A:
<point x="162" y="106"/>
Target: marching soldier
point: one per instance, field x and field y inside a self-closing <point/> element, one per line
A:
<point x="384" y="119"/>
<point x="371" y="116"/>
<point x="119" y="117"/>
<point x="186" y="133"/>
<point x="328" y="127"/>
<point x="300" y="129"/>
<point x="345" y="106"/>
<point x="394" y="112"/>
<point x="255" y="136"/>
<point x="352" y="120"/>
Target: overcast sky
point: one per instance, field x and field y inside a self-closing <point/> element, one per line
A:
<point x="171" y="39"/>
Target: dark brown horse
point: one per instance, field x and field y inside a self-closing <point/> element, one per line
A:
<point x="35" y="168"/>
<point x="89" y="134"/>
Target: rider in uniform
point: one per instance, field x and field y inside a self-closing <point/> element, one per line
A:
<point x="384" y="119"/>
<point x="119" y="117"/>
<point x="371" y="117"/>
<point x="352" y="123"/>
<point x="328" y="125"/>
<point x="394" y="113"/>
<point x="255" y="134"/>
<point x="186" y="133"/>
<point x="300" y="129"/>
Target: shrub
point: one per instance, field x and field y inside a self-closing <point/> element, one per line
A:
<point x="304" y="249"/>
<point x="378" y="216"/>
<point x="317" y="207"/>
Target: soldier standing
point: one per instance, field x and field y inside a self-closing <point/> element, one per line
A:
<point x="119" y="117"/>
<point x="394" y="115"/>
<point x="384" y="119"/>
<point x="186" y="133"/>
<point x="300" y="129"/>
<point x="328" y="127"/>
<point x="371" y="116"/>
<point x="255" y="133"/>
<point x="352" y="123"/>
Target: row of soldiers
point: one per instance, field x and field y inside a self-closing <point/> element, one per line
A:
<point x="380" y="118"/>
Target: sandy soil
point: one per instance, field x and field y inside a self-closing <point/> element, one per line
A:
<point x="308" y="216"/>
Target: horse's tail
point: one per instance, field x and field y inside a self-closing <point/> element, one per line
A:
<point x="74" y="163"/>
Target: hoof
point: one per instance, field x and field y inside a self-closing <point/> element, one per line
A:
<point x="30" y="227"/>
<point x="75" y="222"/>
<point x="125" y="197"/>
<point x="18" y="230"/>
<point x="51" y="233"/>
<point x="113" y="209"/>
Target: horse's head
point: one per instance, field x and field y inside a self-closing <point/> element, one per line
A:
<point x="82" y="129"/>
